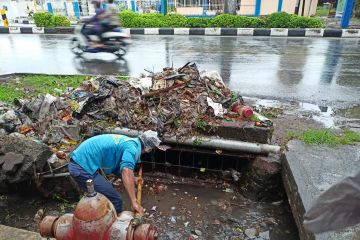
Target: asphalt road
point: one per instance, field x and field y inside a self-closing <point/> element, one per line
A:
<point x="324" y="71"/>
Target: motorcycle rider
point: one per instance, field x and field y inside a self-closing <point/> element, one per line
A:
<point x="97" y="28"/>
<point x="110" y="17"/>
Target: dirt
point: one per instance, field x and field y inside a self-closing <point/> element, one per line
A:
<point x="215" y="210"/>
<point x="284" y="125"/>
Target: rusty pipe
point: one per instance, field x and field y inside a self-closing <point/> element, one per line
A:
<point x="211" y="142"/>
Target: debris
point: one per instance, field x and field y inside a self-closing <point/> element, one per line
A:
<point x="186" y="224"/>
<point x="228" y="190"/>
<point x="252" y="233"/>
<point x="192" y="237"/>
<point x="265" y="235"/>
<point x="39" y="215"/>
<point x="217" y="107"/>
<point x="173" y="219"/>
<point x="11" y="161"/>
<point x="218" y="151"/>
<point x="173" y="208"/>
<point x="117" y="182"/>
<point x="61" y="154"/>
<point x="271" y="220"/>
<point x="202" y="170"/>
<point x="160" y="188"/>
<point x="197" y="232"/>
<point x="217" y="222"/>
<point x="153" y="208"/>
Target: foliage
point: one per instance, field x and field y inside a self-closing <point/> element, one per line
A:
<point x="60" y="21"/>
<point x="278" y="20"/>
<point x="198" y="22"/>
<point x="305" y="22"/>
<point x="321" y="11"/>
<point x="45" y="19"/>
<point x="28" y="86"/>
<point x="275" y="20"/>
<point x="316" y="137"/>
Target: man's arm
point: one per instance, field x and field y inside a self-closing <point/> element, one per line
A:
<point x="129" y="183"/>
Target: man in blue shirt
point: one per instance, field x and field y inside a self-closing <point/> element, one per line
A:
<point x="111" y="153"/>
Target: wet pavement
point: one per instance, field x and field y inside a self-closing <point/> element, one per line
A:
<point x="316" y="70"/>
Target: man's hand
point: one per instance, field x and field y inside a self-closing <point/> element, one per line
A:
<point x="139" y="180"/>
<point x="137" y="208"/>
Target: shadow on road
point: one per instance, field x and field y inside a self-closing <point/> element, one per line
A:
<point x="101" y="67"/>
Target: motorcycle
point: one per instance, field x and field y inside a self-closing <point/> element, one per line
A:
<point x="114" y="41"/>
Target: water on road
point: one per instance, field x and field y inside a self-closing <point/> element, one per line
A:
<point x="323" y="71"/>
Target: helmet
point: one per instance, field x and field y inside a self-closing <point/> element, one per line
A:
<point x="150" y="140"/>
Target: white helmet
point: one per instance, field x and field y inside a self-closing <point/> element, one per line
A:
<point x="150" y="140"/>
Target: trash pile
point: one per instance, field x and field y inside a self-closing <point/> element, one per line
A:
<point x="177" y="102"/>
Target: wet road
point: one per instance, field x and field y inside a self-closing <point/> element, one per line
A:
<point x="317" y="70"/>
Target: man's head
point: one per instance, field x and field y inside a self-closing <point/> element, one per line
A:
<point x="149" y="140"/>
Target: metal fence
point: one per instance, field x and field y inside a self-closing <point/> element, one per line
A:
<point x="200" y="8"/>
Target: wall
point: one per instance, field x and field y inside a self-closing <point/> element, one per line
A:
<point x="288" y="6"/>
<point x="269" y="6"/>
<point x="312" y="11"/>
<point x="247" y="7"/>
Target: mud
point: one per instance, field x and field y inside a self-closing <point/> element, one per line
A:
<point x="206" y="210"/>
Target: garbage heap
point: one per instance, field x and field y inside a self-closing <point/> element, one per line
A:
<point x="175" y="102"/>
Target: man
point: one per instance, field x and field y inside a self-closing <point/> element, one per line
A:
<point x="96" y="29"/>
<point x="111" y="18"/>
<point x="111" y="153"/>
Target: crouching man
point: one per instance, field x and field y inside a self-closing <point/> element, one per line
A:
<point x="111" y="153"/>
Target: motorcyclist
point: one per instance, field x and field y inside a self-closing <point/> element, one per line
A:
<point x="97" y="27"/>
<point x="110" y="17"/>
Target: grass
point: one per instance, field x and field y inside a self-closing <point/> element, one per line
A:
<point x="27" y="86"/>
<point x="354" y="19"/>
<point x="320" y="11"/>
<point x="327" y="137"/>
<point x="31" y="85"/>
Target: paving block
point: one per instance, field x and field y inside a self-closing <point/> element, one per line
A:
<point x="151" y="31"/>
<point x="38" y="30"/>
<point x="245" y="31"/>
<point x="279" y="32"/>
<point x="350" y="33"/>
<point x="181" y="31"/>
<point x="314" y="32"/>
<point x="213" y="31"/>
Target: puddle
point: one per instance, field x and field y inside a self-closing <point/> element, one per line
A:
<point x="326" y="115"/>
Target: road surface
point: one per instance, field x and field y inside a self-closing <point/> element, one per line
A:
<point x="323" y="71"/>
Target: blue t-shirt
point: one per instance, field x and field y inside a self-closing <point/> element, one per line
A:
<point x="110" y="152"/>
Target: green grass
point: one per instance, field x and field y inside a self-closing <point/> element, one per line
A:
<point x="27" y="86"/>
<point x="354" y="19"/>
<point x="327" y="137"/>
<point x="320" y="11"/>
<point x="31" y="85"/>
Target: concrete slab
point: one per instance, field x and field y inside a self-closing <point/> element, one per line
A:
<point x="310" y="170"/>
<point x="241" y="131"/>
<point x="7" y="232"/>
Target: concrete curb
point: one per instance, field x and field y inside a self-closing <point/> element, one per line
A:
<point x="268" y="32"/>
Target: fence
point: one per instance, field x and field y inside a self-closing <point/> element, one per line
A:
<point x="206" y="8"/>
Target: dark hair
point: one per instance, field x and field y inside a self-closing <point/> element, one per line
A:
<point x="110" y="1"/>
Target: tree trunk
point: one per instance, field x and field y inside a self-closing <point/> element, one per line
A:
<point x="230" y="7"/>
